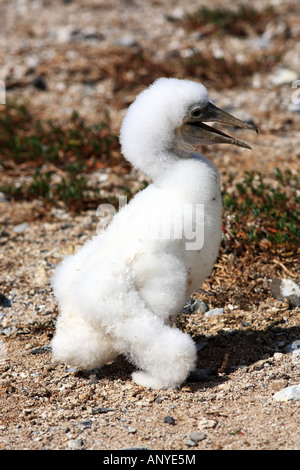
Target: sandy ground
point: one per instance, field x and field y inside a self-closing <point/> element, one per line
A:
<point x="94" y="57"/>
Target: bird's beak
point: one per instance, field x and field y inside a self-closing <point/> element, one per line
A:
<point x="209" y="135"/>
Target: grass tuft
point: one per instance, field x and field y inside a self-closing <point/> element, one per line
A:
<point x="56" y="160"/>
<point x="263" y="212"/>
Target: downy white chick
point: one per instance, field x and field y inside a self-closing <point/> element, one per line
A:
<point x="121" y="292"/>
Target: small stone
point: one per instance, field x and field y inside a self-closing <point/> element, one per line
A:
<point x="4" y="301"/>
<point x="197" y="436"/>
<point x="284" y="76"/>
<point x="86" y="33"/>
<point x="194" y="306"/>
<point x="86" y="424"/>
<point x="289" y="288"/>
<point x="169" y="420"/>
<point x="41" y="350"/>
<point x="205" y="423"/>
<point x="75" y="444"/>
<point x="200" y="307"/>
<point x="177" y="14"/>
<point x="261" y="42"/>
<point x="191" y="443"/>
<point x="93" y="379"/>
<point x="101" y="410"/>
<point x="71" y="370"/>
<point x="215" y="312"/>
<point x="277" y="356"/>
<point x="286" y="289"/>
<point x="40" y="83"/>
<point x="9" y="330"/>
<point x="20" y="228"/>
<point x="131" y="430"/>
<point x="41" y="276"/>
<point x="126" y="41"/>
<point x="159" y="399"/>
<point x="291" y="393"/>
<point x="258" y="365"/>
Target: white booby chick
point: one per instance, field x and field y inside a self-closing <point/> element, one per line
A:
<point x="121" y="292"/>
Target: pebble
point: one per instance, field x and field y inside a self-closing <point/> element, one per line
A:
<point x="262" y="42"/>
<point x="86" y="424"/>
<point x="71" y="370"/>
<point x="126" y="41"/>
<point x="86" y="33"/>
<point x="197" y="436"/>
<point x="205" y="423"/>
<point x="215" y="312"/>
<point x="40" y="276"/>
<point x="284" y="76"/>
<point x="75" y="444"/>
<point x="131" y="430"/>
<point x="160" y="399"/>
<point x="259" y="365"/>
<point x="283" y="289"/>
<point x="93" y="379"/>
<point x="169" y="420"/>
<point x="291" y="393"/>
<point x="289" y="287"/>
<point x="4" y="301"/>
<point x="41" y="350"/>
<point x="40" y="83"/>
<point x="194" y="306"/>
<point x="100" y="410"/>
<point x="9" y="330"/>
<point x="277" y="356"/>
<point x="20" y="228"/>
<point x="191" y="443"/>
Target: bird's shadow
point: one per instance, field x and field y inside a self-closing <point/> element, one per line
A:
<point x="218" y="355"/>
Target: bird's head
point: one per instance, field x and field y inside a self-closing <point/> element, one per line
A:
<point x="167" y="121"/>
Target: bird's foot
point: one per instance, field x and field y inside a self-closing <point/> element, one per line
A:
<point x="147" y="380"/>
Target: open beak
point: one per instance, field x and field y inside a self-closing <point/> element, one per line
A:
<point x="209" y="135"/>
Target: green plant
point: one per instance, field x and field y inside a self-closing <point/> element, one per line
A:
<point x="263" y="212"/>
<point x="236" y="21"/>
<point x="57" y="159"/>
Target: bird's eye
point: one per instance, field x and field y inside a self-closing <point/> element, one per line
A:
<point x="195" y="113"/>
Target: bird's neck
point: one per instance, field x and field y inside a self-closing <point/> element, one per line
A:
<point x="193" y="180"/>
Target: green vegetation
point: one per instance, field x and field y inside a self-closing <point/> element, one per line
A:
<point x="239" y="21"/>
<point x="242" y="21"/>
<point x="264" y="212"/>
<point x="54" y="159"/>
